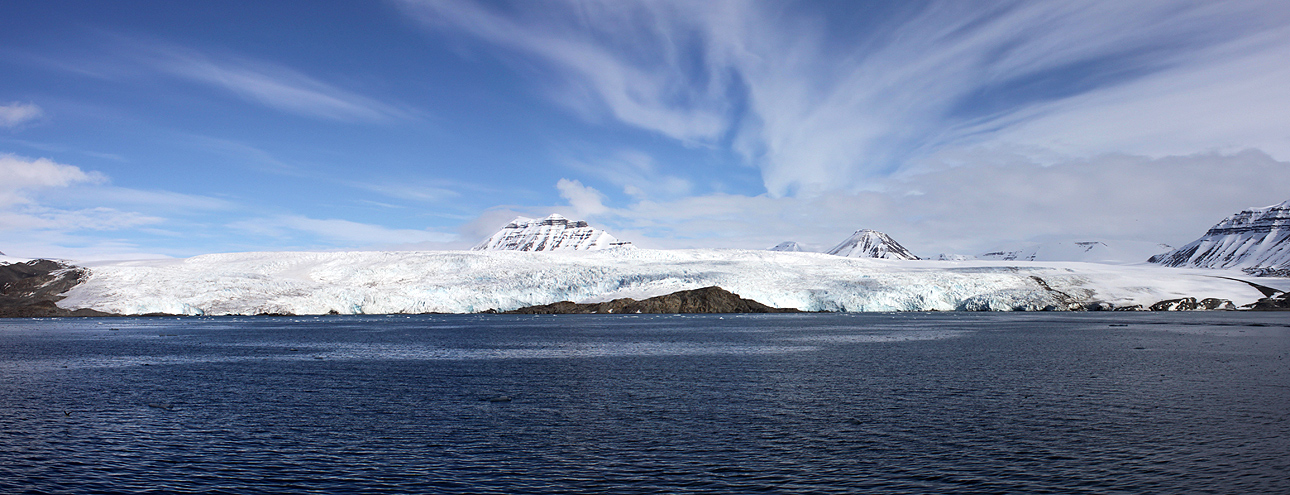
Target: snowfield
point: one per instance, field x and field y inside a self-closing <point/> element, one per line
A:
<point x="470" y="281"/>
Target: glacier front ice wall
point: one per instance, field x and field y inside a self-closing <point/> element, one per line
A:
<point x="471" y="281"/>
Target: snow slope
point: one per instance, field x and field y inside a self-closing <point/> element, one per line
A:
<point x="867" y="243"/>
<point x="553" y="233"/>
<point x="1120" y="252"/>
<point x="469" y="281"/>
<point x="1256" y="240"/>
<point x="789" y="246"/>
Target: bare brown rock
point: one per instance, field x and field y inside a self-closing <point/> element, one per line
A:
<point x="706" y="300"/>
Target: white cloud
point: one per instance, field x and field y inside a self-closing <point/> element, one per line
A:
<point x="829" y="108"/>
<point x="337" y="230"/>
<point x="16" y="114"/>
<point x="586" y="201"/>
<point x="23" y="175"/>
<point x="635" y="172"/>
<point x="54" y="219"/>
<point x="968" y="210"/>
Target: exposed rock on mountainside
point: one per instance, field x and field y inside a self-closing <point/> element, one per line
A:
<point x="1256" y="240"/>
<point x="788" y="246"/>
<point x="30" y="289"/>
<point x="553" y="233"/>
<point x="1280" y="302"/>
<point x="706" y="300"/>
<point x="867" y="243"/>
<point x="1191" y="304"/>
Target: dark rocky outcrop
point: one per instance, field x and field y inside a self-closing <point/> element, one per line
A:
<point x="1279" y="302"/>
<point x="31" y="289"/>
<point x="706" y="300"/>
<point x="1191" y="304"/>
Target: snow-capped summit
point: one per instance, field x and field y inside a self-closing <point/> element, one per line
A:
<point x="1256" y="240"/>
<point x="787" y="246"/>
<point x="867" y="243"/>
<point x="553" y="233"/>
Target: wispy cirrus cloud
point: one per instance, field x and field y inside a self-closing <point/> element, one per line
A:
<point x="262" y="82"/>
<point x="275" y="86"/>
<point x="16" y="113"/>
<point x="824" y="104"/>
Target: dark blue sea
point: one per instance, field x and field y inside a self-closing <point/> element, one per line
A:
<point x="810" y="403"/>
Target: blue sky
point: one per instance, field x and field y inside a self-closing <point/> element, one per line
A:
<point x="133" y="129"/>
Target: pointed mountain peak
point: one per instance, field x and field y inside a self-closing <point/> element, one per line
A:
<point x="787" y="246"/>
<point x="866" y="243"/>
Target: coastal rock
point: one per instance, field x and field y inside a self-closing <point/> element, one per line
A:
<point x="1191" y="304"/>
<point x="706" y="300"/>
<point x="31" y="289"/>
<point x="1279" y="302"/>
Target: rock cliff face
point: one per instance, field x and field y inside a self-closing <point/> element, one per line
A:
<point x="706" y="300"/>
<point x="553" y="233"/>
<point x="29" y="290"/>
<point x="1256" y="240"/>
<point x="872" y="244"/>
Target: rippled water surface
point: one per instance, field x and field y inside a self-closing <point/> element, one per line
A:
<point x="916" y="402"/>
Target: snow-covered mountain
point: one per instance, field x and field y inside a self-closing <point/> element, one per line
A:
<point x="1256" y="240"/>
<point x="789" y="246"/>
<point x="553" y="233"/>
<point x="376" y="282"/>
<point x="867" y="243"/>
<point x="1117" y="252"/>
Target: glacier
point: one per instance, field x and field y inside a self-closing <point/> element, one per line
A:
<point x="553" y="233"/>
<point x="1256" y="240"/>
<point x="374" y="282"/>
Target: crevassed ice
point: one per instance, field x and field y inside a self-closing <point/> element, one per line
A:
<point x="471" y="281"/>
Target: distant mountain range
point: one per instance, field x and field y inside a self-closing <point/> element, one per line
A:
<point x="1256" y="240"/>
<point x="1086" y="251"/>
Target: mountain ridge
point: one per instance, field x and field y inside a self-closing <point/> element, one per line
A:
<point x="1255" y="240"/>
